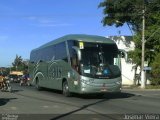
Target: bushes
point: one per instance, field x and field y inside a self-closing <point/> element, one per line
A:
<point x="155" y="81"/>
<point x="156" y="71"/>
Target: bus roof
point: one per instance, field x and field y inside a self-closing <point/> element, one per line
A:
<point x="78" y="37"/>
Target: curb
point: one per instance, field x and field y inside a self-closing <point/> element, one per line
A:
<point x="131" y="88"/>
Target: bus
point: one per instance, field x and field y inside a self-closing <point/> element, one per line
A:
<point x="77" y="63"/>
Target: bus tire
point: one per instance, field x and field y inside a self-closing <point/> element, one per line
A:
<point x="37" y="85"/>
<point x="66" y="89"/>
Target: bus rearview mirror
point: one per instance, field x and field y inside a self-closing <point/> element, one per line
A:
<point x="78" y="51"/>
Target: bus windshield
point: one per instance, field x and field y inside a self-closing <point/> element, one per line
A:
<point x="98" y="61"/>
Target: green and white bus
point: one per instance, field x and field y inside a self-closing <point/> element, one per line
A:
<point x="77" y="63"/>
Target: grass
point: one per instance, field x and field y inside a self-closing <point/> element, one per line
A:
<point x="153" y="87"/>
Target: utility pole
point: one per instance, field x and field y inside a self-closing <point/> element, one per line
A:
<point x="143" y="75"/>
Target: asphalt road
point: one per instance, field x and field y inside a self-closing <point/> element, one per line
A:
<point x="26" y="103"/>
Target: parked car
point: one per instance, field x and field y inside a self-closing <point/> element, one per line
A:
<point x="14" y="78"/>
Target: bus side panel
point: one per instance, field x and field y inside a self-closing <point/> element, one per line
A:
<point x="43" y="74"/>
<point x="57" y="72"/>
<point x="38" y="71"/>
<point x="53" y="71"/>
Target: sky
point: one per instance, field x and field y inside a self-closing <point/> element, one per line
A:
<point x="27" y="24"/>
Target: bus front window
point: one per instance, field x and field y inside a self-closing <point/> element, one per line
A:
<point x="98" y="62"/>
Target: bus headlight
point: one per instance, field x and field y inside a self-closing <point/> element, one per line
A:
<point x="76" y="82"/>
<point x="69" y="75"/>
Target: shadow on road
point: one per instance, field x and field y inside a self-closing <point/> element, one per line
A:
<point x="71" y="116"/>
<point x="118" y="95"/>
<point x="102" y="98"/>
<point x="105" y="96"/>
<point x="4" y="101"/>
<point x="95" y="96"/>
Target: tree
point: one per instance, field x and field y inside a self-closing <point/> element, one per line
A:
<point x="156" y="71"/>
<point x="19" y="64"/>
<point x="130" y="12"/>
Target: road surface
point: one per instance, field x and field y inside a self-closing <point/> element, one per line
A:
<point x="26" y="103"/>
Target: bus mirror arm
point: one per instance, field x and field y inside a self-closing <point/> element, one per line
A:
<point x="78" y="52"/>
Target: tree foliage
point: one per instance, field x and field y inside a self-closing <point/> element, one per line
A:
<point x="156" y="70"/>
<point x="17" y="61"/>
<point x="19" y="64"/>
<point x="130" y="12"/>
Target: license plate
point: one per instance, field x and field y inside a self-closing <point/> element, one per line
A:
<point x="103" y="89"/>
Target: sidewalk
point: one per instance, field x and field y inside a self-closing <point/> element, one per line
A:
<point x="138" y="88"/>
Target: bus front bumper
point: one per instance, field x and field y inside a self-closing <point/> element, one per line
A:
<point x="103" y="88"/>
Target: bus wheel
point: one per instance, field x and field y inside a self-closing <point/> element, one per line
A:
<point x="66" y="89"/>
<point x="37" y="85"/>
